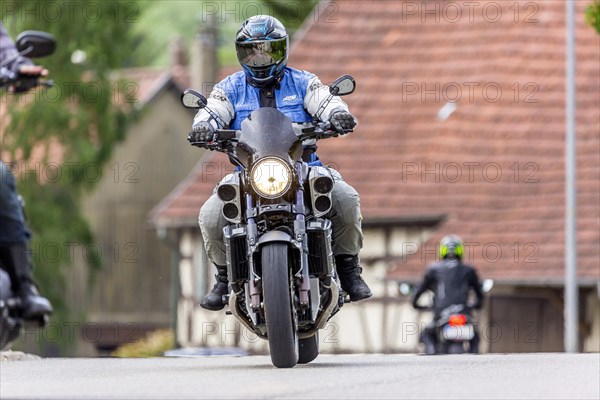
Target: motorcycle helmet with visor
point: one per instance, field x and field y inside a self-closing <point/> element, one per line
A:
<point x="451" y="246"/>
<point x="261" y="46"/>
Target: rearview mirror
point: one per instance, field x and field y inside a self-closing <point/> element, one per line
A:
<point x="487" y="285"/>
<point x="35" y="44"/>
<point x="342" y="86"/>
<point x="193" y="99"/>
<point x="405" y="288"/>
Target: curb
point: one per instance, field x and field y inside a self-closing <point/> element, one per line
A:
<point x="10" y="355"/>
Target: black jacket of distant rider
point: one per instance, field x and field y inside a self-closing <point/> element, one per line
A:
<point x="450" y="280"/>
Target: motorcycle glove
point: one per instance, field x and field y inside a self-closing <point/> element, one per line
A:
<point x="203" y="131"/>
<point x="342" y="121"/>
<point x="25" y="83"/>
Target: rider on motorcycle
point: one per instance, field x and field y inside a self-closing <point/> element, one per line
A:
<point x="14" y="233"/>
<point x="266" y="81"/>
<point x="450" y="280"/>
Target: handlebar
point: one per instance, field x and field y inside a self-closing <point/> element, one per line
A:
<point x="21" y="82"/>
<point x="222" y="137"/>
<point x="423" y="308"/>
<point x="219" y="141"/>
<point x="322" y="130"/>
<point x="467" y="308"/>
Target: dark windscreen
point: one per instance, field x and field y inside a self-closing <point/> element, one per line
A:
<point x="267" y="132"/>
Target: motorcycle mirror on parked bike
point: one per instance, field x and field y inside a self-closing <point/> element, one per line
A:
<point x="192" y="99"/>
<point x="342" y="86"/>
<point x="34" y="44"/>
<point x="487" y="285"/>
<point x="405" y="288"/>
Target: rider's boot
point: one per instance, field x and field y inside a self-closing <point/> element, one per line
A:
<point x="18" y="266"/>
<point x="214" y="299"/>
<point x="349" y="271"/>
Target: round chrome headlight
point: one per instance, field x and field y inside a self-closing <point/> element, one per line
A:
<point x="271" y="177"/>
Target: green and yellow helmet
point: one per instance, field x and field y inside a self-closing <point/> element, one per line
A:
<point x="451" y="246"/>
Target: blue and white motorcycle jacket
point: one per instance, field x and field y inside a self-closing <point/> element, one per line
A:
<point x="299" y="96"/>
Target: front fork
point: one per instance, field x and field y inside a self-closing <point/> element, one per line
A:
<point x="252" y="238"/>
<point x="301" y="238"/>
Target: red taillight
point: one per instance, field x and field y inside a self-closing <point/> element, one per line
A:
<point x="457" y="320"/>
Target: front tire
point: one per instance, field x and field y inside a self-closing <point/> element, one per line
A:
<point x="279" y="312"/>
<point x="308" y="349"/>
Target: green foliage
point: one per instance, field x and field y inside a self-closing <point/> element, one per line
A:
<point x="291" y="13"/>
<point x="62" y="136"/>
<point x="592" y="15"/>
<point x="161" y="21"/>
<point x="155" y="344"/>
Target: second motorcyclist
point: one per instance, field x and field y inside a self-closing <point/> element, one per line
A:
<point x="450" y="280"/>
<point x="267" y="81"/>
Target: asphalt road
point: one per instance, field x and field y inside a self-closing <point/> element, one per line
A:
<point x="522" y="376"/>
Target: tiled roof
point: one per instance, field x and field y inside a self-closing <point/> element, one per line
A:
<point x="147" y="81"/>
<point x="494" y="166"/>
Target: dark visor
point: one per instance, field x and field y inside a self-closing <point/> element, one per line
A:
<point x="262" y="53"/>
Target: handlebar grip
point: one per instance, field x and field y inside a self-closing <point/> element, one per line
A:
<point x="423" y="308"/>
<point x="224" y="134"/>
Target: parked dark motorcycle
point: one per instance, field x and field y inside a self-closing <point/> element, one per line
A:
<point x="280" y="263"/>
<point x="32" y="44"/>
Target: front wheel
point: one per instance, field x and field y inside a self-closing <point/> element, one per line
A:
<point x="279" y="311"/>
<point x="308" y="349"/>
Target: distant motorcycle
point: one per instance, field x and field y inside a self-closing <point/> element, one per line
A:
<point x="280" y="263"/>
<point x="455" y="328"/>
<point x="31" y="44"/>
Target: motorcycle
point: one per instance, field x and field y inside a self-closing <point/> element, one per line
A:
<point x="280" y="263"/>
<point x="32" y="44"/>
<point x="455" y="329"/>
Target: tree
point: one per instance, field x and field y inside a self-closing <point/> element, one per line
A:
<point x="156" y="27"/>
<point x="291" y="13"/>
<point x="60" y="138"/>
<point x="592" y="15"/>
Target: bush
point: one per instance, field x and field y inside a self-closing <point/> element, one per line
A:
<point x="153" y="345"/>
<point x="592" y="15"/>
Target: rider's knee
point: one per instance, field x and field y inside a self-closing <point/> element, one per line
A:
<point x="346" y="203"/>
<point x="210" y="218"/>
